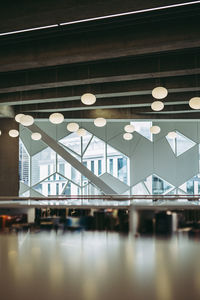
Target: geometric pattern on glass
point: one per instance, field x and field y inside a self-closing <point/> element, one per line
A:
<point x="157" y="186"/>
<point x="180" y="144"/>
<point x="43" y="165"/>
<point x="117" y="164"/>
<point x="24" y="164"/>
<point x="143" y="128"/>
<point x="192" y="186"/>
<point x="73" y="142"/>
<point x="51" y="186"/>
<point x="94" y="156"/>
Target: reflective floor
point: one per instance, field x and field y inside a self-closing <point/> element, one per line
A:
<point x="95" y="265"/>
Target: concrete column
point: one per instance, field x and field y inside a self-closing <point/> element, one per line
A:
<point x="133" y="221"/>
<point x="31" y="215"/>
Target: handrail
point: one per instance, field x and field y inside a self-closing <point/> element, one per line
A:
<point x="104" y="197"/>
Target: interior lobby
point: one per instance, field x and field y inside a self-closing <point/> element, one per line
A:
<point x="100" y="149"/>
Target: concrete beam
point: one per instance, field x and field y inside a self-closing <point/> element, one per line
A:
<point x="73" y="161"/>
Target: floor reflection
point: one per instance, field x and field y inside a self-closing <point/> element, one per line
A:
<point x="98" y="265"/>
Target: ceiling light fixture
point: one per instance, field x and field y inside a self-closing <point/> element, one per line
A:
<point x="18" y="117"/>
<point x="26" y="120"/>
<point x="127" y="136"/>
<point x="72" y="127"/>
<point x="159" y="92"/>
<point x="154" y="129"/>
<point x="195" y="103"/>
<point x="36" y="136"/>
<point x="13" y="133"/>
<point x="129" y="128"/>
<point x="56" y="118"/>
<point x="172" y="135"/>
<point x="81" y="132"/>
<point x="157" y="105"/>
<point x="88" y="99"/>
<point x="100" y="122"/>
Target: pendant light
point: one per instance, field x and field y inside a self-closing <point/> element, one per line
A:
<point x="159" y="92"/>
<point x="13" y="133"/>
<point x="81" y="132"/>
<point x="36" y="136"/>
<point x="195" y="103"/>
<point x="56" y="118"/>
<point x="18" y="117"/>
<point x="129" y="128"/>
<point x="72" y="127"/>
<point x="157" y="105"/>
<point x="100" y="122"/>
<point x="127" y="136"/>
<point x="154" y="129"/>
<point x="88" y="99"/>
<point x="172" y="135"/>
<point x="26" y="120"/>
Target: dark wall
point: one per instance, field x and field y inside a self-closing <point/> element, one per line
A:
<point x="9" y="159"/>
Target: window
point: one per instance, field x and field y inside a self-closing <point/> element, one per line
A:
<point x="92" y="166"/>
<point x="122" y="169"/>
<point x="99" y="167"/>
<point x="57" y="188"/>
<point x="111" y="166"/>
<point x="49" y="188"/>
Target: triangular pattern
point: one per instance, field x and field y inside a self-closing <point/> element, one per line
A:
<point x="157" y="186"/>
<point x="95" y="151"/>
<point x="43" y="165"/>
<point x="122" y="161"/>
<point x="192" y="186"/>
<point x="71" y="189"/>
<point x="73" y="142"/>
<point x="85" y="140"/>
<point x="24" y="164"/>
<point x="65" y="169"/>
<point x="180" y="144"/>
<point x="53" y="185"/>
<point x="139" y="189"/>
<point x="143" y="128"/>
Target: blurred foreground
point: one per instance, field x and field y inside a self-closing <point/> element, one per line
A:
<point x="98" y="265"/>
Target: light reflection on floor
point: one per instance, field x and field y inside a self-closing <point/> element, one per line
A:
<point x="98" y="265"/>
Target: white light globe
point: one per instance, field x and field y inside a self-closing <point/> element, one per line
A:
<point x="18" y="117"/>
<point x="36" y="136"/>
<point x="129" y="128"/>
<point x="0" y="132"/>
<point x="172" y="135"/>
<point x="26" y="120"/>
<point x="13" y="133"/>
<point x="127" y="136"/>
<point x="56" y="118"/>
<point x="155" y="129"/>
<point x="195" y="103"/>
<point x="157" y="105"/>
<point x="159" y="92"/>
<point x="81" y="132"/>
<point x="72" y="127"/>
<point x="100" y="122"/>
<point x="88" y="99"/>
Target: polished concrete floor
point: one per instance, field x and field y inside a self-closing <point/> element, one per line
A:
<point x="98" y="265"/>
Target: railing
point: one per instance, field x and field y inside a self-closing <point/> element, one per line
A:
<point x="101" y="201"/>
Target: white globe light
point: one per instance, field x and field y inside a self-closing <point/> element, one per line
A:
<point x="18" y="117"/>
<point x="56" y="118"/>
<point x="159" y="92"/>
<point x="13" y="133"/>
<point x="36" y="136"/>
<point x="155" y="129"/>
<point x="72" y="127"/>
<point x="172" y="135"/>
<point x="127" y="136"/>
<point x="129" y="128"/>
<point x="157" y="105"/>
<point x="88" y="99"/>
<point x="26" y="120"/>
<point x="100" y="122"/>
<point x="0" y="132"/>
<point x="195" y="103"/>
<point x="81" y="132"/>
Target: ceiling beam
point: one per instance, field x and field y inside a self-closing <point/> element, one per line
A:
<point x="106" y="103"/>
<point x="22" y="15"/>
<point x="124" y="41"/>
<point x="158" y="66"/>
<point x="125" y="113"/>
<point x="174" y="85"/>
